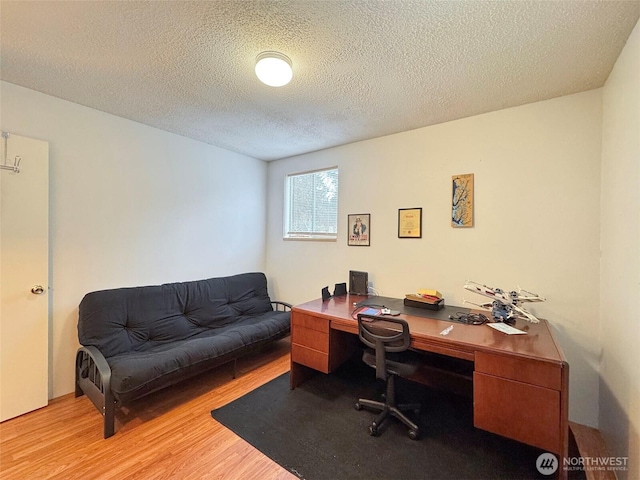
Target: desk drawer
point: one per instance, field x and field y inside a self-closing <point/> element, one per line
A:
<point x="523" y="412"/>
<point x="310" y="338"/>
<point x="310" y="357"/>
<point x="529" y="371"/>
<point x="309" y="321"/>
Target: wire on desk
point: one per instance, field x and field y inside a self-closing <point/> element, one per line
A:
<point x="469" y="318"/>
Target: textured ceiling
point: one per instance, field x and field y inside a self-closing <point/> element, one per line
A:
<point x="362" y="69"/>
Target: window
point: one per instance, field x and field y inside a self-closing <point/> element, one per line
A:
<point x="311" y="204"/>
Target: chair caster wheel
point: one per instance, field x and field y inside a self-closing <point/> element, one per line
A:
<point x="373" y="431"/>
<point x="413" y="434"/>
<point x="358" y="406"/>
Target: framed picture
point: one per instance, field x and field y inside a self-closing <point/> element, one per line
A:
<point x="359" y="229"/>
<point x="462" y="200"/>
<point x="410" y="223"/>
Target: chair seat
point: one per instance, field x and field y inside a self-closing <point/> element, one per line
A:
<point x="399" y="364"/>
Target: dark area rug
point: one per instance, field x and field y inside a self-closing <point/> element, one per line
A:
<point x="315" y="432"/>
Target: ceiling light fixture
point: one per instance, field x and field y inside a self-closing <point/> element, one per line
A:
<point x="274" y="69"/>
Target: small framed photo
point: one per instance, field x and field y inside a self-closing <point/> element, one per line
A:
<point x="359" y="229"/>
<point x="410" y="223"/>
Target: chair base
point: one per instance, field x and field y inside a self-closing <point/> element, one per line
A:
<point x="389" y="408"/>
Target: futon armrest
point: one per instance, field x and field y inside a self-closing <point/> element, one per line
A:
<point x="281" y="306"/>
<point x="98" y="360"/>
<point x="93" y="378"/>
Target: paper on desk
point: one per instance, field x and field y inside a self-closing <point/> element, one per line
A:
<point x="508" y="329"/>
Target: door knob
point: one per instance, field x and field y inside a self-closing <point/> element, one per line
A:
<point x="37" y="289"/>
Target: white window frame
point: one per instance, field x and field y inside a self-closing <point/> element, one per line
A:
<point x="318" y="236"/>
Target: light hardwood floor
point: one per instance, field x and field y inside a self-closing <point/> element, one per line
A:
<point x="167" y="435"/>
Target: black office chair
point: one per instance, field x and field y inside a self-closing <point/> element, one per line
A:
<point x="387" y="335"/>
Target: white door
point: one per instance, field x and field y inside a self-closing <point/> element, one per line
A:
<point x="24" y="277"/>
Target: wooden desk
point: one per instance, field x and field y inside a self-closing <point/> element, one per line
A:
<point x="520" y="382"/>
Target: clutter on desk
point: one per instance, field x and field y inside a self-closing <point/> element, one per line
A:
<point x="447" y="330"/>
<point x="469" y="318"/>
<point x="504" y="328"/>
<point x="365" y="310"/>
<point x="426" y="298"/>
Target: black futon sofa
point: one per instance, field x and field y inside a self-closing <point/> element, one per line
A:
<point x="138" y="340"/>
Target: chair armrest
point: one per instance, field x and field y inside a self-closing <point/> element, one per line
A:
<point x="281" y="306"/>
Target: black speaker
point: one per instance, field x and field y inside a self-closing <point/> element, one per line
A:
<point x="358" y="283"/>
<point x="325" y="294"/>
<point x="340" y="290"/>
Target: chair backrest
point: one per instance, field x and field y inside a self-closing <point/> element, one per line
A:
<point x="384" y="334"/>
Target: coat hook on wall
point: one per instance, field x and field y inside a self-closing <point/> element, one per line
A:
<point x="15" y="168"/>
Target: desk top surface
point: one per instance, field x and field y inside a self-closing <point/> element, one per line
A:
<point x="538" y="342"/>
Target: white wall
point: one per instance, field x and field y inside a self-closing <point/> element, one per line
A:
<point x="537" y="214"/>
<point x="133" y="205"/>
<point x="620" y="264"/>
